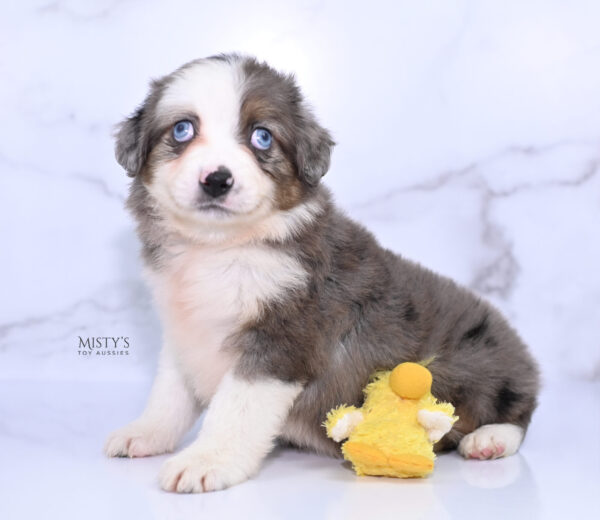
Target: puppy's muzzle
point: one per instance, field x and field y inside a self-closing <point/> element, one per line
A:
<point x="218" y="182"/>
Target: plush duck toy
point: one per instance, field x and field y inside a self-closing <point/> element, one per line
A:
<point x="394" y="432"/>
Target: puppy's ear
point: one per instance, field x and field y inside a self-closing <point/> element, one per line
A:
<point x="314" y="147"/>
<point x="130" y="143"/>
<point x="133" y="135"/>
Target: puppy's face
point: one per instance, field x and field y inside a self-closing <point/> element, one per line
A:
<point x="224" y="143"/>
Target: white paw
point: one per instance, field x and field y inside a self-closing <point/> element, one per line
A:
<point x="193" y="471"/>
<point x="491" y="441"/>
<point x="436" y="423"/>
<point x="138" y="440"/>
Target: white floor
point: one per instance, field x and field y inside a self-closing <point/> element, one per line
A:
<point x="52" y="467"/>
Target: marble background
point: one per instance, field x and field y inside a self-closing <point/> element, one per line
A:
<point x="469" y="140"/>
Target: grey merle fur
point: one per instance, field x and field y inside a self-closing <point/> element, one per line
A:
<point x="367" y="309"/>
<point x="364" y="308"/>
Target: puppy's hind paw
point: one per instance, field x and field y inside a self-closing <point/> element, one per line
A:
<point x="491" y="442"/>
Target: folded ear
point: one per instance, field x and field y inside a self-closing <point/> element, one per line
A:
<point x="130" y="147"/>
<point x="313" y="151"/>
<point x="133" y="135"/>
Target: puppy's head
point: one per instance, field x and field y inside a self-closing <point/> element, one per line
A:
<point x="222" y="144"/>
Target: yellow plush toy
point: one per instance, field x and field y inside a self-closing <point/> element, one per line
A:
<point x="394" y="432"/>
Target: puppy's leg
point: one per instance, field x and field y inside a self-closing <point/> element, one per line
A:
<point x="241" y="424"/>
<point x="491" y="441"/>
<point x="170" y="412"/>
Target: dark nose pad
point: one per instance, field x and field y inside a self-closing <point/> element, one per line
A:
<point x="218" y="183"/>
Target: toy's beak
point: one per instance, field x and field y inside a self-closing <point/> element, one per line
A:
<point x="410" y="381"/>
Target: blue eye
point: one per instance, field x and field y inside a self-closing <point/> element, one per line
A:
<point x="261" y="139"/>
<point x="183" y="131"/>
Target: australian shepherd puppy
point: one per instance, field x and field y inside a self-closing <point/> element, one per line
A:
<point x="275" y="306"/>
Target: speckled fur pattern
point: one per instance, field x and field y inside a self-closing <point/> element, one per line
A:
<point x="355" y="307"/>
<point x="367" y="309"/>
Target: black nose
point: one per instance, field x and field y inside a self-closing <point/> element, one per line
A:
<point x="218" y="183"/>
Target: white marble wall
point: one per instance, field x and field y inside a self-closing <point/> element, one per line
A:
<point x="468" y="136"/>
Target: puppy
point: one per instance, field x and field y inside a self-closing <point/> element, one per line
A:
<point x="275" y="306"/>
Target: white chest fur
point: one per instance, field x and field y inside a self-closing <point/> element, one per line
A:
<point x="206" y="293"/>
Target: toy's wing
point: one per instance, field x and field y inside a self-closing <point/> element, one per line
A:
<point x="436" y="423"/>
<point x="341" y="421"/>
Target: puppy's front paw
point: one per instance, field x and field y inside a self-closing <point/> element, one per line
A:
<point x="491" y="441"/>
<point x="137" y="440"/>
<point x="195" y="471"/>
